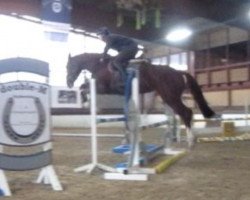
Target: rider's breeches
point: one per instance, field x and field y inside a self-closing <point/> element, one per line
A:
<point x="121" y="60"/>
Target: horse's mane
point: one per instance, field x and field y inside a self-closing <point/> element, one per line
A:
<point x="89" y="57"/>
<point x="90" y="61"/>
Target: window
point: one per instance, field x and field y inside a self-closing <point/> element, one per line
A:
<point x="179" y="61"/>
<point x="176" y="61"/>
<point x="20" y="38"/>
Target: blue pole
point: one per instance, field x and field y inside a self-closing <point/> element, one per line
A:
<point x="127" y="93"/>
<point x="1" y="192"/>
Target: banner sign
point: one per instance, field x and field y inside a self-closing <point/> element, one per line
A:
<point x="24" y="113"/>
<point x="57" y="11"/>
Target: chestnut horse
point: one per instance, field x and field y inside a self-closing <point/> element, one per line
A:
<point x="166" y="81"/>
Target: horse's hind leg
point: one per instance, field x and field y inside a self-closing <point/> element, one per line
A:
<point x="185" y="114"/>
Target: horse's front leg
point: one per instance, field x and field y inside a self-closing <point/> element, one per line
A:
<point x="190" y="137"/>
<point x="84" y="91"/>
<point x="102" y="89"/>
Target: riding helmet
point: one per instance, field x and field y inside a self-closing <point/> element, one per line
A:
<point x="103" y="31"/>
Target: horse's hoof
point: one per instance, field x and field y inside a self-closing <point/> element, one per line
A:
<point x="190" y="145"/>
<point x="124" y="141"/>
<point x="191" y="142"/>
<point x="216" y="117"/>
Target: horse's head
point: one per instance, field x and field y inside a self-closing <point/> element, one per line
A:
<point x="86" y="61"/>
<point x="73" y="71"/>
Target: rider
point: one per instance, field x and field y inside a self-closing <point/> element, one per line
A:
<point x="126" y="47"/>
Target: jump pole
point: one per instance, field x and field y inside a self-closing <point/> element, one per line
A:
<point x="247" y="110"/>
<point x="136" y="137"/>
<point x="111" y="173"/>
<point x="94" y="147"/>
<point x="135" y="157"/>
<point x="217" y="130"/>
<point x="133" y="172"/>
<point x="165" y="164"/>
<point x="89" y="135"/>
<point x="243" y="137"/>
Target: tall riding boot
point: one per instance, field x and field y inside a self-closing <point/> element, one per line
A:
<point x="123" y="74"/>
<point x="120" y="84"/>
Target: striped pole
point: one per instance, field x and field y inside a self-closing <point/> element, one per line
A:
<point x="134" y="157"/>
<point x="104" y="120"/>
<point x="154" y="125"/>
<point x="242" y="137"/>
<point x="222" y="119"/>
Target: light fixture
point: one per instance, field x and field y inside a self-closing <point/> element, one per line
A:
<point x="141" y="8"/>
<point x="179" y="34"/>
<point x="248" y="14"/>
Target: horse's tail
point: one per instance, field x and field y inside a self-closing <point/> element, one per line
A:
<point x="199" y="97"/>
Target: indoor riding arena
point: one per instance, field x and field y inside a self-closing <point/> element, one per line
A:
<point x="115" y="99"/>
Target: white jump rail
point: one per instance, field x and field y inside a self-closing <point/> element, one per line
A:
<point x="133" y="166"/>
<point x="94" y="146"/>
<point x="113" y="173"/>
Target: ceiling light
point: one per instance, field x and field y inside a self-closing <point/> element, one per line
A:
<point x="178" y="34"/>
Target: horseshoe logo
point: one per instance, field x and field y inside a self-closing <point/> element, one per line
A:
<point x="14" y="129"/>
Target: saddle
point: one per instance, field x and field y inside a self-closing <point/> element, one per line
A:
<point x="117" y="81"/>
<point x="133" y="63"/>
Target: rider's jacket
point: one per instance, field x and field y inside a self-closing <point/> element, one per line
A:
<point x="119" y="43"/>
